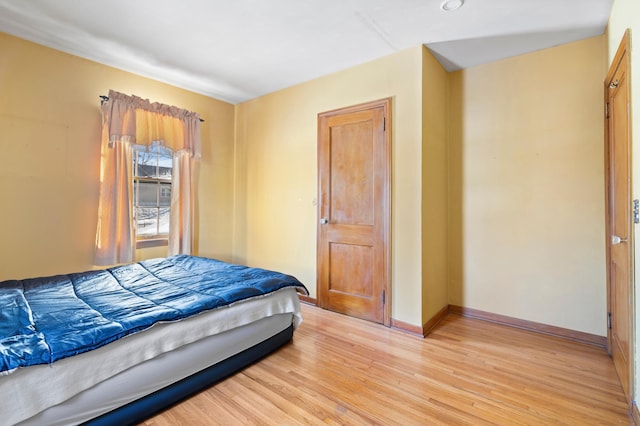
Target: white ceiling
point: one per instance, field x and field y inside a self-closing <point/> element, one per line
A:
<point x="238" y="50"/>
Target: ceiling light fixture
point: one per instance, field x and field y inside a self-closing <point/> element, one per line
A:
<point x="449" y="5"/>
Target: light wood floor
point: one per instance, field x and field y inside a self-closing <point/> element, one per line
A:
<point x="340" y="370"/>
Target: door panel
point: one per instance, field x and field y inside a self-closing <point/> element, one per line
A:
<point x="351" y="266"/>
<point x="619" y="235"/>
<point x="352" y="179"/>
<point x="353" y="187"/>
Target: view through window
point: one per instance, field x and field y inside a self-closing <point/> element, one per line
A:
<point x="152" y="170"/>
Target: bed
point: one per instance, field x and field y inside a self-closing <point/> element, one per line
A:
<point x="118" y="345"/>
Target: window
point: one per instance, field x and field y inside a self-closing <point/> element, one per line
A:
<point x="152" y="172"/>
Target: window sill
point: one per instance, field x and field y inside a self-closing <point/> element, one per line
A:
<point x="152" y="242"/>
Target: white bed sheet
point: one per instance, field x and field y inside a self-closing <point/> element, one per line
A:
<point x="159" y="372"/>
<point x="28" y="391"/>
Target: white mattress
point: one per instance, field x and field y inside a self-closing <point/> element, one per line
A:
<point x="29" y="391"/>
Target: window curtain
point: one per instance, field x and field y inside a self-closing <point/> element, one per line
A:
<point x="129" y="120"/>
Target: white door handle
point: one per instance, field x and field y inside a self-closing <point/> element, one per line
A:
<point x="324" y="221"/>
<point x="617" y="240"/>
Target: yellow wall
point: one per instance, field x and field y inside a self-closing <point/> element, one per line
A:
<point x="434" y="186"/>
<point x="49" y="145"/>
<point x="524" y="201"/>
<point x="276" y="174"/>
<point x="526" y="187"/>
<point x="625" y="14"/>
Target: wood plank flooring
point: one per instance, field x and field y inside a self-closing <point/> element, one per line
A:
<point x="341" y="370"/>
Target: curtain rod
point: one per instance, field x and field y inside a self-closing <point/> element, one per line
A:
<point x="104" y="99"/>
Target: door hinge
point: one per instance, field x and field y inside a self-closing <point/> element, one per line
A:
<point x="606" y="110"/>
<point x="384" y="297"/>
<point x="384" y="124"/>
<point x="609" y="320"/>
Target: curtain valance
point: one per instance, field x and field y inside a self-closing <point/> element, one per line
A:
<point x="132" y="120"/>
<point x="139" y="121"/>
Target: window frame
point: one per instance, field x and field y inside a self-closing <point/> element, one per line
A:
<point x="158" y="239"/>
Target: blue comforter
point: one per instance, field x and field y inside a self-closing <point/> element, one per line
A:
<point x="43" y="320"/>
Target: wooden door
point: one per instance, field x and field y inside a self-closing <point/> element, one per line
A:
<point x="619" y="228"/>
<point x="354" y="211"/>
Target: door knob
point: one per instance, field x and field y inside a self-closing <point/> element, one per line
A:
<point x="324" y="221"/>
<point x="617" y="240"/>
